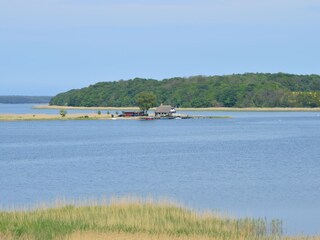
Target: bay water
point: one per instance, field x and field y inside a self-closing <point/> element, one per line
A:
<point x="255" y="164"/>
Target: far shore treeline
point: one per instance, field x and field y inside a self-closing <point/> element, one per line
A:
<point x="24" y="99"/>
<point x="237" y="90"/>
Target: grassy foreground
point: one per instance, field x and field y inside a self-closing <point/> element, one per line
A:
<point x="130" y="220"/>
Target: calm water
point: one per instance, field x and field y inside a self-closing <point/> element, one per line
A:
<point x="27" y="108"/>
<point x="255" y="164"/>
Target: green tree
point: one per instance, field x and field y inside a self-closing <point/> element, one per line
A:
<point x="63" y="113"/>
<point x="145" y="100"/>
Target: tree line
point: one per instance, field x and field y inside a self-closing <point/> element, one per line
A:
<point x="24" y="99"/>
<point x="237" y="90"/>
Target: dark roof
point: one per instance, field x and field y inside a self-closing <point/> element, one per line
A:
<point x="163" y="109"/>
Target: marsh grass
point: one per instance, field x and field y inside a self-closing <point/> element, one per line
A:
<point x="129" y="219"/>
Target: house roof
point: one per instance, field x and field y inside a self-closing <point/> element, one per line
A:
<point x="163" y="109"/>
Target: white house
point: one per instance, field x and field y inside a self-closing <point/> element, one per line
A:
<point x="164" y="111"/>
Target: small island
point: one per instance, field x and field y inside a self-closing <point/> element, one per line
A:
<point x="236" y="91"/>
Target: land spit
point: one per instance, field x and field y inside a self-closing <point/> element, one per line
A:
<point x="90" y="116"/>
<point x="35" y="117"/>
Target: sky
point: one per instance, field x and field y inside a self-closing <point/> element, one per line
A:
<point x="52" y="46"/>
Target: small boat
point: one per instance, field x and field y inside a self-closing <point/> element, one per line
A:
<point x="147" y="118"/>
<point x="172" y="110"/>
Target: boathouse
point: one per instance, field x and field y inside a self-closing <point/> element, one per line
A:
<point x="132" y="114"/>
<point x="164" y="111"/>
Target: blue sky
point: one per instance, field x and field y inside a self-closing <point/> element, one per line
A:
<point x="50" y="46"/>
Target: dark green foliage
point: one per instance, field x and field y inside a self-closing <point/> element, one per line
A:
<point x="24" y="99"/>
<point x="237" y="90"/>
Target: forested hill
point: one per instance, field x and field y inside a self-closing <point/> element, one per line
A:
<point x="24" y="99"/>
<point x="238" y="90"/>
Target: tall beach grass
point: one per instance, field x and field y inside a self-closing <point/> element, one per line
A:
<point x="128" y="217"/>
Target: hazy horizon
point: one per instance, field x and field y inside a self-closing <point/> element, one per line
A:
<point x="52" y="46"/>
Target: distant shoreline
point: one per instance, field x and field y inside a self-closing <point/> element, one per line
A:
<point x="214" y="109"/>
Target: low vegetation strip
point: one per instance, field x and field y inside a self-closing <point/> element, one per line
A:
<point x="130" y="220"/>
<point x="91" y="116"/>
